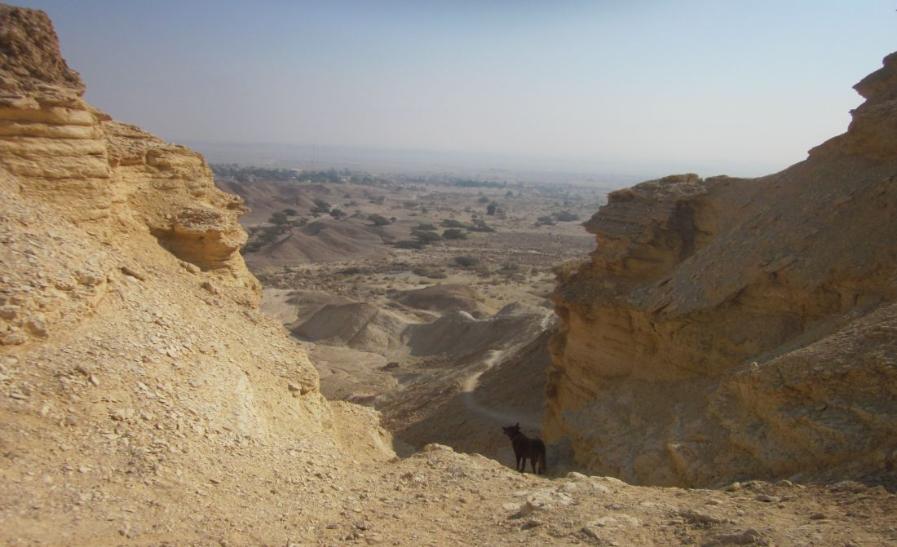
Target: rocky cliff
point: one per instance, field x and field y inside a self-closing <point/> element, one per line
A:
<point x="728" y="328"/>
<point x="134" y="364"/>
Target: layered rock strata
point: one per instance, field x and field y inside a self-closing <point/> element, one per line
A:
<point x="134" y="364"/>
<point x="728" y="328"/>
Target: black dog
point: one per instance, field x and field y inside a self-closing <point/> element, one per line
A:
<point x="524" y="448"/>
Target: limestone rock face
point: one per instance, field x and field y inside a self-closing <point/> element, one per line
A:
<point x="727" y="328"/>
<point x="62" y="151"/>
<point x="129" y="335"/>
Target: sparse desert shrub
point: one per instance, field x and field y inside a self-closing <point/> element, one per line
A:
<point x="565" y="216"/>
<point x="452" y="223"/>
<point x="264" y="235"/>
<point x="479" y="225"/>
<point x="491" y="208"/>
<point x="431" y="273"/>
<point x="378" y="220"/>
<point x="466" y="261"/>
<point x="426" y="237"/>
<point x="470" y="183"/>
<point x="337" y="213"/>
<point x="426" y="226"/>
<point x="280" y="217"/>
<point x="454" y="233"/>
<point x="321" y="206"/>
<point x="409" y="244"/>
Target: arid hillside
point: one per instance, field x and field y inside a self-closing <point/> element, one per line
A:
<point x="135" y="364"/>
<point x="729" y="328"/>
<point x="144" y="399"/>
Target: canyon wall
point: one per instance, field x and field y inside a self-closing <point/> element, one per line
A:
<point x="131" y="348"/>
<point x="730" y="328"/>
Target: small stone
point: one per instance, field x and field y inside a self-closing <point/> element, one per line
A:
<point x="37" y="327"/>
<point x="766" y="498"/>
<point x="192" y="268"/>
<point x="212" y="289"/>
<point x="121" y="414"/>
<point x="699" y="518"/>
<point x="744" y="537"/>
<point x="734" y="487"/>
<point x="13" y="337"/>
<point x="9" y="312"/>
<point x="127" y="270"/>
<point x="90" y="278"/>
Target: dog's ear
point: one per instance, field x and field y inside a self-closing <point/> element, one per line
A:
<point x="517" y="425"/>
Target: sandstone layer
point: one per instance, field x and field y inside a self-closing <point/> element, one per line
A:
<point x="133" y="360"/>
<point x="727" y="328"/>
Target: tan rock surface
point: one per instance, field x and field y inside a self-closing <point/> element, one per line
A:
<point x="728" y="328"/>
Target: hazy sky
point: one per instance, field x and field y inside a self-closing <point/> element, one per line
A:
<point x="649" y="87"/>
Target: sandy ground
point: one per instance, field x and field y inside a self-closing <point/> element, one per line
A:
<point x="369" y="310"/>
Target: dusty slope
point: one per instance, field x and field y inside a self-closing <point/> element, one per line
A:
<point x="143" y="399"/>
<point x="727" y="328"/>
<point x="324" y="240"/>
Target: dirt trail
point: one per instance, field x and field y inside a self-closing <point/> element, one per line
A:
<point x="470" y="384"/>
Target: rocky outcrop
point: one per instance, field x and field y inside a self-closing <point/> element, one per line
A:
<point x="729" y="328"/>
<point x="62" y="151"/>
<point x="131" y="348"/>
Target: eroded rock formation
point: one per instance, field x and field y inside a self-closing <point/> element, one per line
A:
<point x="130" y="343"/>
<point x="65" y="152"/>
<point x="728" y="328"/>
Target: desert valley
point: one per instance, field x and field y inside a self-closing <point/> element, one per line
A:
<point x="236" y="354"/>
